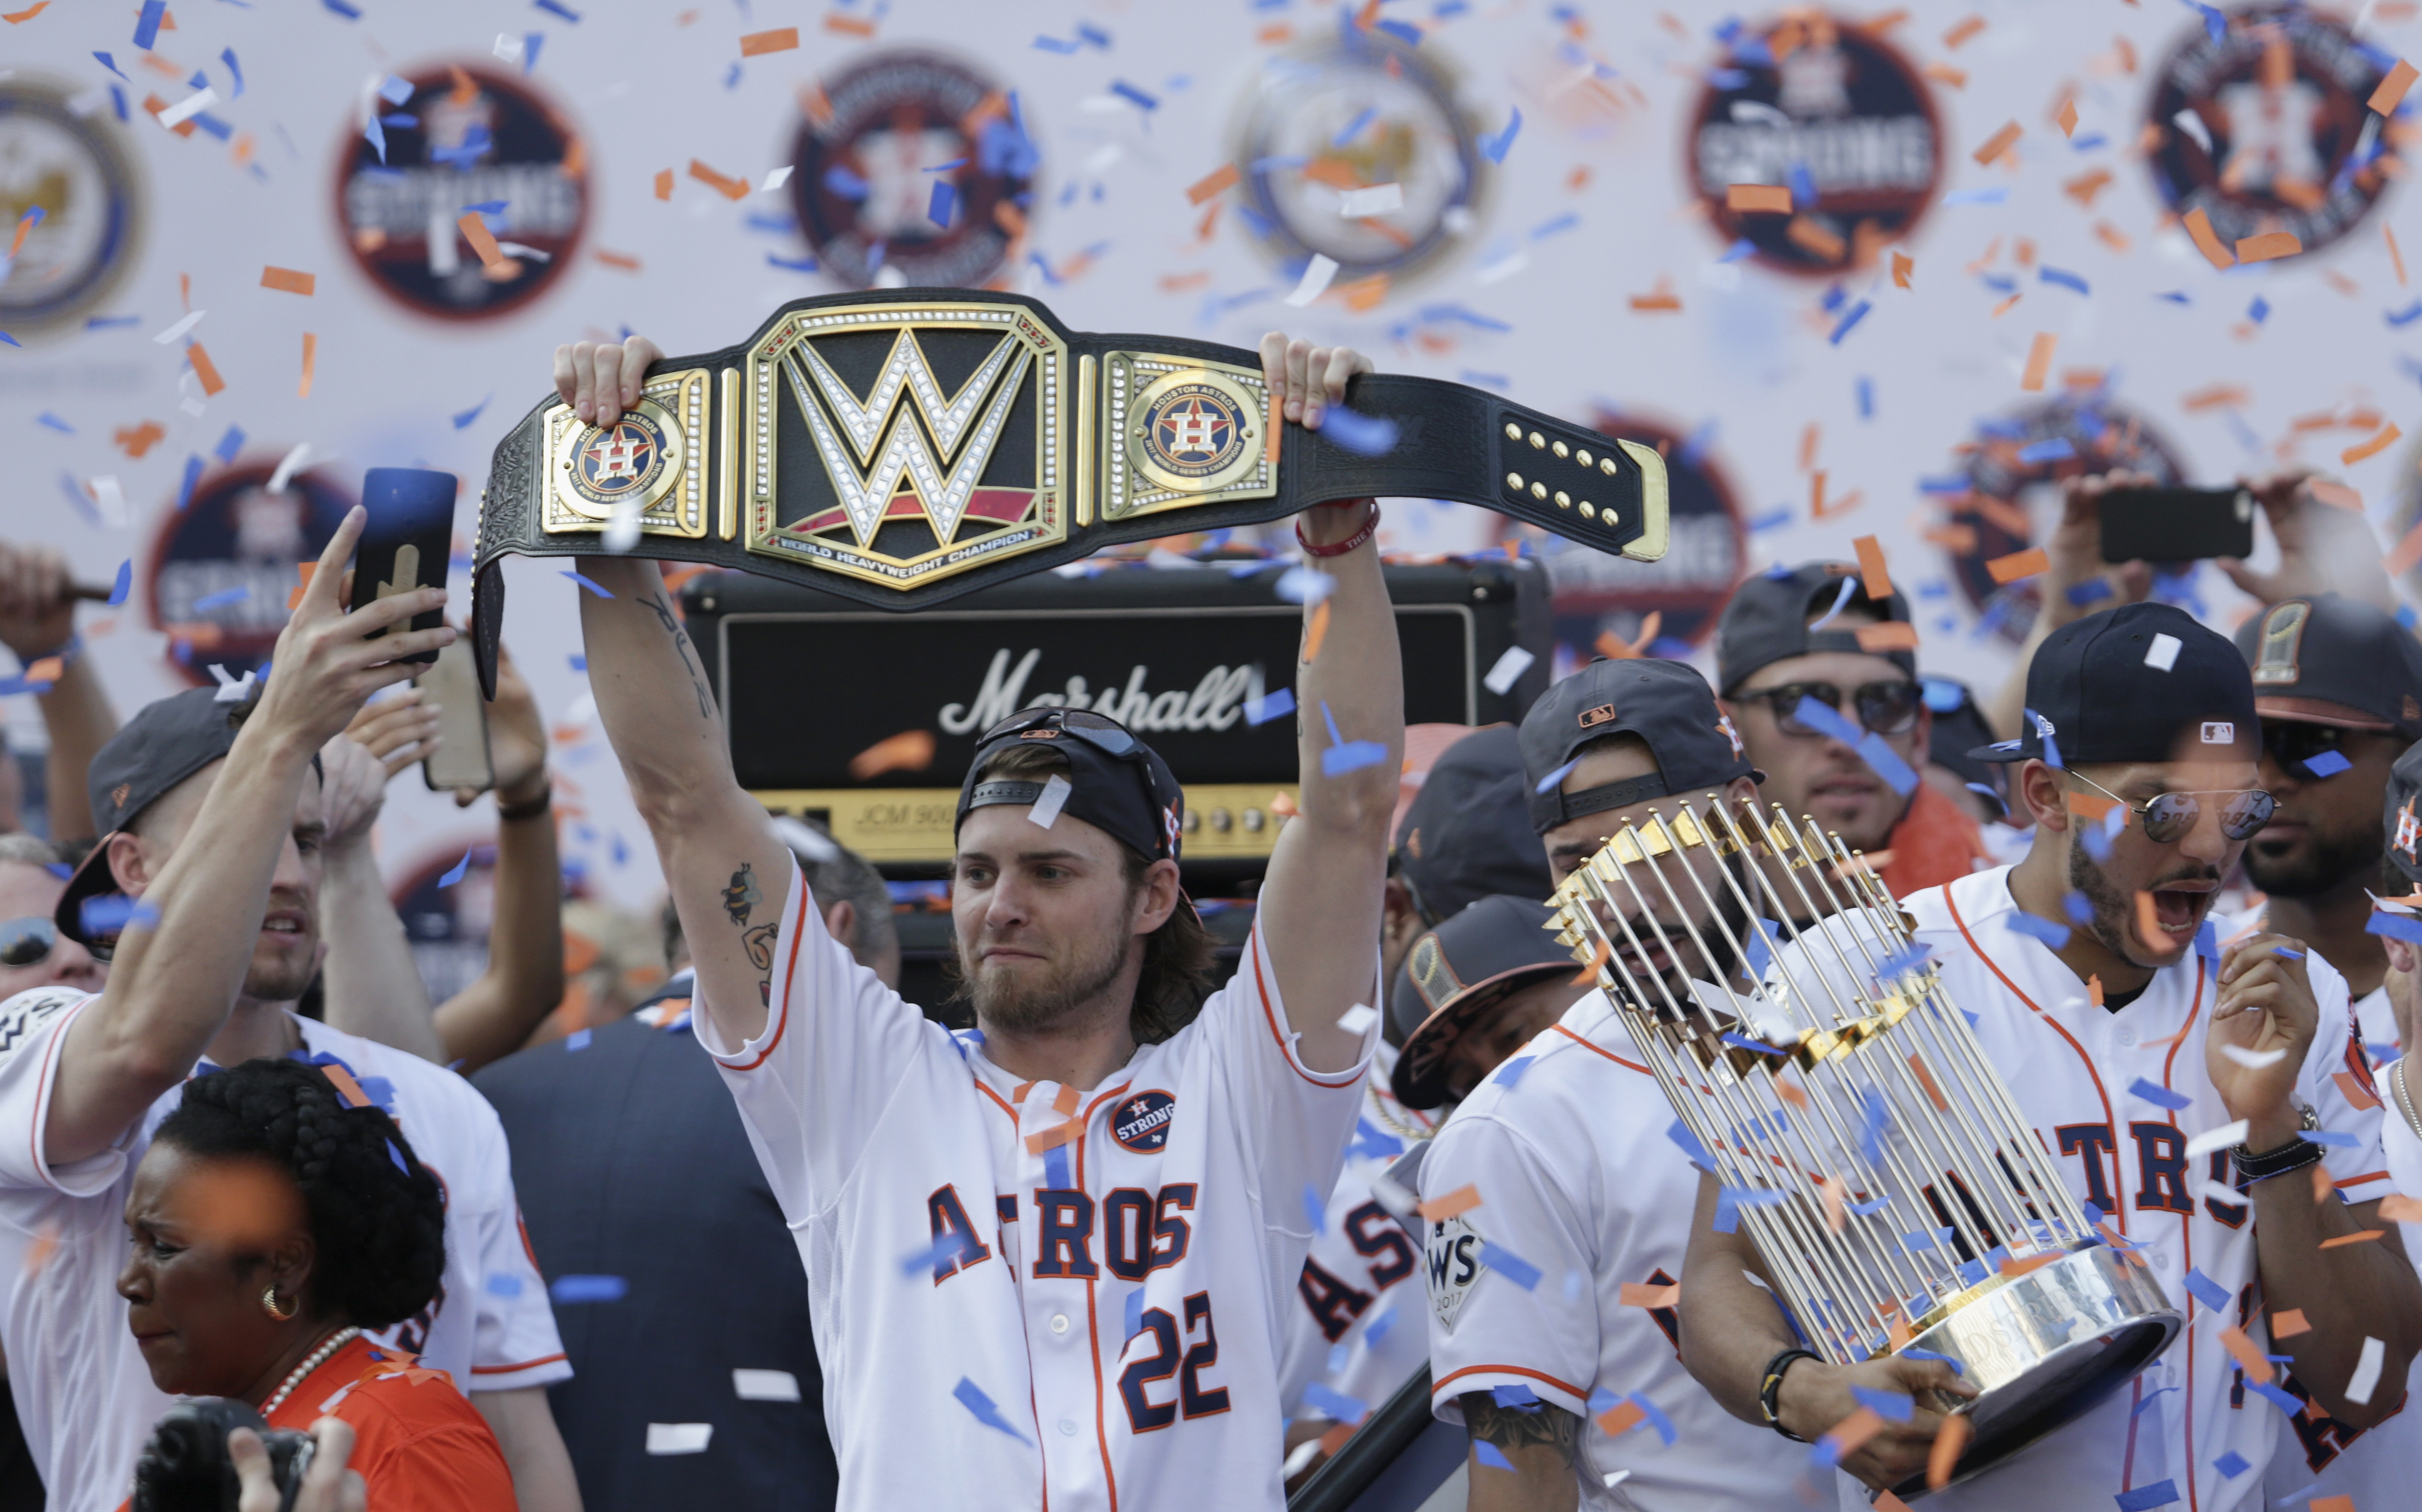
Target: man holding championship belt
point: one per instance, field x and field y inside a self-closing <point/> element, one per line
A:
<point x="2209" y="1106"/>
<point x="1066" y="1238"/>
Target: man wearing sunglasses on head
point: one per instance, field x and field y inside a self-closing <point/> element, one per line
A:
<point x="1793" y="634"/>
<point x="33" y="953"/>
<point x="2125" y="1032"/>
<point x="1067" y="1236"/>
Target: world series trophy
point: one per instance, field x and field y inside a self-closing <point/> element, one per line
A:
<point x="903" y="447"/>
<point x="1897" y="1197"/>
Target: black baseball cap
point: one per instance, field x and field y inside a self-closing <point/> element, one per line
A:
<point x="2150" y="673"/>
<point x="2403" y="819"/>
<point x="2333" y="660"/>
<point x="168" y="741"/>
<point x="1455" y="974"/>
<point x="1767" y="620"/>
<point x="1666" y="703"/>
<point x="1117" y="783"/>
<point x="1467" y="833"/>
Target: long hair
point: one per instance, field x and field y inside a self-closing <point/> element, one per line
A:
<point x="1176" y="956"/>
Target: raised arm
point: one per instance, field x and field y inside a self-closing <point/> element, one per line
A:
<point x="1322" y="901"/>
<point x="729" y="876"/>
<point x="38" y="621"/>
<point x="174" y="980"/>
<point x="369" y="984"/>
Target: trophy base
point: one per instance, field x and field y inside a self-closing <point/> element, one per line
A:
<point x="2046" y="1347"/>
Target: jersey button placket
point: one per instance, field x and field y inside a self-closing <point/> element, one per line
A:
<point x="1063" y="1377"/>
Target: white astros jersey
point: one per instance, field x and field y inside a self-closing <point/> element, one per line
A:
<point x="1360" y="1289"/>
<point x="1023" y="1295"/>
<point x="83" y="1393"/>
<point x="1566" y="1144"/>
<point x="2075" y="1070"/>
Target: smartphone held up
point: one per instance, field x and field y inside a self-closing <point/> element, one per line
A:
<point x="2177" y="523"/>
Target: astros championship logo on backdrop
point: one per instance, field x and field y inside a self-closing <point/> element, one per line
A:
<point x="1593" y="591"/>
<point x="1828" y="109"/>
<point x="225" y="564"/>
<point x="64" y="166"/>
<point x="880" y="137"/>
<point x="2267" y="127"/>
<point x="464" y="140"/>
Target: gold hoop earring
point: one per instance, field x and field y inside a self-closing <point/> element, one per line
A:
<point x="269" y="1304"/>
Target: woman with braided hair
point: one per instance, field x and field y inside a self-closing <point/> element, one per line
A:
<point x="278" y="1214"/>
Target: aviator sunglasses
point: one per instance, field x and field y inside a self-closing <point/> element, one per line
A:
<point x="1887" y="708"/>
<point x="2171" y="816"/>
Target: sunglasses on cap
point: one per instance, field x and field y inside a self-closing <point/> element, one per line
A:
<point x="1887" y="708"/>
<point x="2171" y="816"/>
<point x="2292" y="743"/>
<point x="1103" y="733"/>
<point x="27" y="941"/>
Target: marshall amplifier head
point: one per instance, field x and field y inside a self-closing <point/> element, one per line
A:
<point x="814" y="686"/>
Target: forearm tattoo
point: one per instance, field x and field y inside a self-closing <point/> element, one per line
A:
<point x="1515" y="1428"/>
<point x="664" y="613"/>
<point x="740" y="901"/>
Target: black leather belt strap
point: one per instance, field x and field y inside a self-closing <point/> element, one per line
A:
<point x="903" y="447"/>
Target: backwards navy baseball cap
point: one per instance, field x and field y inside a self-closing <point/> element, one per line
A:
<point x="1767" y="620"/>
<point x="1116" y="782"/>
<point x="2141" y="683"/>
<point x="2333" y="660"/>
<point x="1467" y="833"/>
<point x="1666" y="703"/>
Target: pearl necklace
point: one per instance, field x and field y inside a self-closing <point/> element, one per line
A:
<point x="310" y="1363"/>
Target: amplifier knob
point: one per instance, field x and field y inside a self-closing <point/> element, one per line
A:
<point x="1253" y="821"/>
<point x="1221" y="820"/>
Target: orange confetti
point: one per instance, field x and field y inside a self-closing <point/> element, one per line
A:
<point x="2288" y="1323"/>
<point x="727" y="188"/>
<point x="2247" y="1354"/>
<point x="2393" y="255"/>
<point x="1811" y="237"/>
<point x="2267" y="246"/>
<point x="1617" y="1419"/>
<point x="2383" y="101"/>
<point x="1944" y="74"/>
<point x="1873" y="574"/>
<point x="1439" y="1209"/>
<point x="2149" y="919"/>
<point x="2002" y="308"/>
<point x="2198" y="225"/>
<point x="1333" y="172"/>
<point x="2019" y="564"/>
<point x="2094" y="990"/>
<point x="2321" y="1184"/>
<point x="2358" y="1237"/>
<point x="347" y="1088"/>
<point x="1315" y="632"/>
<point x="1789" y="1092"/>
<point x="1057" y="1135"/>
<point x="135" y="440"/>
<point x="781" y="39"/>
<point x="1065" y="1101"/>
<point x="2039" y="362"/>
<point x="1178" y="283"/>
<point x="310" y="355"/>
<point x="1902" y="266"/>
<point x="911" y="750"/>
<point x="206" y="370"/>
<point x="1758" y="200"/>
<point x="2378" y="443"/>
<point x="849" y="25"/>
<point x="1950" y="1442"/>
<point x="2408" y="552"/>
<point x="45" y="669"/>
<point x="2112" y="237"/>
<point x="1960" y="33"/>
<point x="2086" y="185"/>
<point x="1218" y="181"/>
<point x="1639" y="1294"/>
<point x="484" y="241"/>
<point x="1588" y="974"/>
<point x="1999" y="143"/>
<point x="1848" y="1435"/>
<point x="2219" y="396"/>
<point x="1892" y="635"/>
<point x="17" y="18"/>
<point x="1808" y="439"/>
<point x="1835" y="1197"/>
<point x="287" y="281"/>
<point x="1671" y="304"/>
<point x="2066" y="119"/>
<point x="663" y="184"/>
<point x="294" y="599"/>
<point x="2013" y="1269"/>
<point x="617" y="260"/>
<point x="1925" y="1080"/>
<point x="2354" y="1089"/>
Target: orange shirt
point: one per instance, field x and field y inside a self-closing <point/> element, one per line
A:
<point x="1936" y="841"/>
<point x="418" y="1444"/>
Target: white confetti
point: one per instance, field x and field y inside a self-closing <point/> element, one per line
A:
<point x="2367" y="1371"/>
<point x="518" y="249"/>
<point x="2253" y="1060"/>
<point x="764" y="1386"/>
<point x="2219" y="1139"/>
<point x="2190" y="123"/>
<point x="187" y="108"/>
<point x="1355" y="1020"/>
<point x="1504" y="268"/>
<point x="180" y="327"/>
<point x="1376" y="200"/>
<point x="2165" y="653"/>
<point x="1316" y="274"/>
<point x="507" y="48"/>
<point x="622" y="525"/>
<point x="1055" y="798"/>
<point x="289" y="466"/>
<point x="110" y="497"/>
<point x="231" y="690"/>
<point x="1394" y="1196"/>
<point x="775" y="179"/>
<point x="679" y="1438"/>
<point x="1508" y="671"/>
<point x="1298" y="1458"/>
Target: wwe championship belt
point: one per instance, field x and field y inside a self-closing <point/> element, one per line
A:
<point x="904" y="447"/>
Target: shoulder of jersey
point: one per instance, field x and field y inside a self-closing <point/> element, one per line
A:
<point x="28" y="1011"/>
<point x="1557" y="1075"/>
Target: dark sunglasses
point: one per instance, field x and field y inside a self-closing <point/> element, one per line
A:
<point x="1104" y="734"/>
<point x="2171" y="816"/>
<point x="2292" y="743"/>
<point x="27" y="941"/>
<point x="1886" y="708"/>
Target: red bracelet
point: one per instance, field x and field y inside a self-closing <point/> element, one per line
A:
<point x="1370" y="528"/>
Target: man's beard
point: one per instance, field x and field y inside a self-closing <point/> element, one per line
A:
<point x="1689" y="963"/>
<point x="2114" y="912"/>
<point x="2329" y="863"/>
<point x="1035" y="1004"/>
<point x="283" y="978"/>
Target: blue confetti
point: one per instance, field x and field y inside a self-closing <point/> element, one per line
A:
<point x="585" y="583"/>
<point x="2051" y="275"/>
<point x="234" y="67"/>
<point x="1377" y="1327"/>
<point x="841" y="181"/>
<point x="2054" y="935"/>
<point x="1893" y="1407"/>
<point x="2158" y="1096"/>
<point x="2207" y="942"/>
<point x="111" y="63"/>
<point x="1276" y="704"/>
<point x="54" y="422"/>
<point x="2205" y="1290"/>
<point x="2335" y="1139"/>
<point x="1564" y="222"/>
<point x="1823" y="718"/>
<point x="2260" y="310"/>
<point x="2327" y="764"/>
<point x="147" y="26"/>
<point x="1680" y="1134"/>
<point x="1864" y="390"/>
<point x="1511" y="1072"/>
<point x="1135" y="1312"/>
<point x="2093" y="590"/>
<point x="504" y="1284"/>
<point x="2280" y="1399"/>
<point x="941" y="1257"/>
<point x="376" y="136"/>
<point x="1129" y="92"/>
<point x="571" y="1290"/>
<point x="125" y="583"/>
<point x="1334" y="1405"/>
<point x="2407" y="316"/>
<point x="1897" y="774"/>
<point x="2231" y="1465"/>
<point x="193" y="477"/>
<point x="2395" y="925"/>
<point x="112" y="912"/>
<point x="1866" y="1209"/>
<point x="1351" y="756"/>
<point x="1494" y="148"/>
<point x="229" y="444"/>
<point x="1657" y="1419"/>
<point x="1757" y="1047"/>
<point x="1315" y="1209"/>
<point x="557" y="7"/>
<point x="1742" y="247"/>
<point x="1518" y="1397"/>
<point x="1488" y="1454"/>
<point x="108" y="322"/>
<point x="1354" y="127"/>
<point x="1857" y="313"/>
<point x="2144" y="1498"/>
<point x="972" y="1397"/>
<point x="1547" y="783"/>
<point x="1366" y="436"/>
<point x="224" y="597"/>
<point x="456" y="875"/>
<point x="1053" y="44"/>
<point x="1506" y="1263"/>
<point x="1731" y="1200"/>
<point x="2057" y="448"/>
<point x="943" y="205"/>
<point x="1902" y="963"/>
<point x="1772" y="519"/>
<point x="341" y="8"/>
<point x="1977" y="197"/>
<point x="794" y="264"/>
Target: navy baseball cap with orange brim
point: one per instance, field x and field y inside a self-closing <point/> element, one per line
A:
<point x="1455" y="975"/>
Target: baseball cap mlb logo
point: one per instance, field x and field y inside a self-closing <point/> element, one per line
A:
<point x="2219" y="732"/>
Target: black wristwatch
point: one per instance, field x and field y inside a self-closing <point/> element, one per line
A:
<point x="1771" y="1387"/>
<point x="2294" y="1156"/>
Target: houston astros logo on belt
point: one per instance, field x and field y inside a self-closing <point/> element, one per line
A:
<point x="618" y="462"/>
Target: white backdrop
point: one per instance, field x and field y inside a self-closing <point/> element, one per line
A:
<point x="1544" y="276"/>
